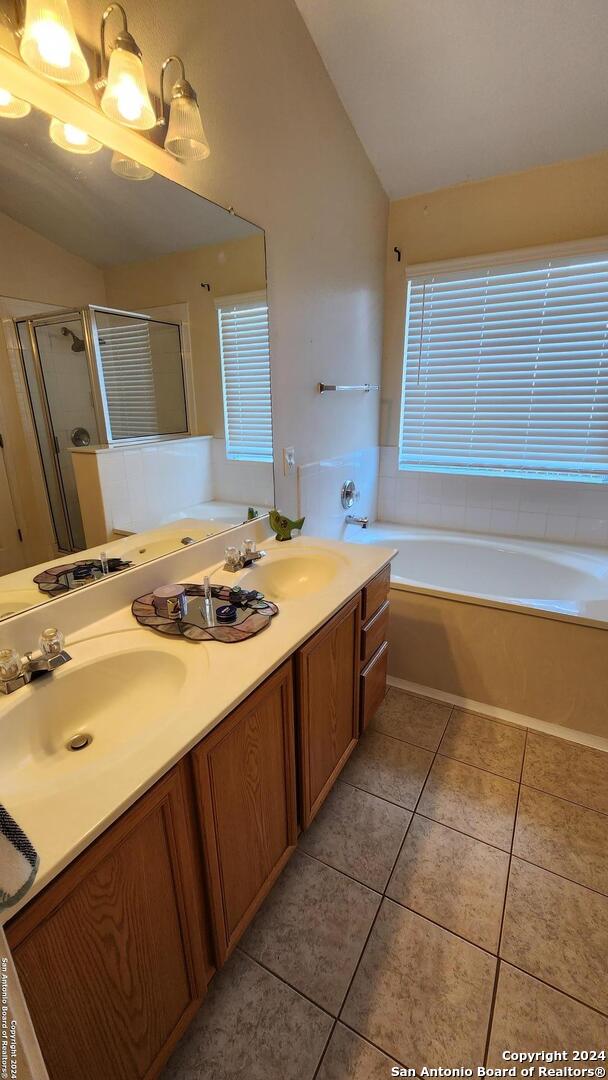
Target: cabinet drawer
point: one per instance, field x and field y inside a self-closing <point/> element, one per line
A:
<point x="373" y="685"/>
<point x="375" y="593"/>
<point x="374" y="633"/>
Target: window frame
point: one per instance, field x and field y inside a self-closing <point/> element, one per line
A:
<point x="242" y="299"/>
<point x="520" y="256"/>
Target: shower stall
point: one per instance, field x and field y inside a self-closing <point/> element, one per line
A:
<point x="94" y="377"/>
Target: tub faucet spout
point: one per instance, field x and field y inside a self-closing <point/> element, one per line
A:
<point x="352" y="520"/>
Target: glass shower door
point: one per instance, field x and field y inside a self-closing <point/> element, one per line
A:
<point x="61" y="395"/>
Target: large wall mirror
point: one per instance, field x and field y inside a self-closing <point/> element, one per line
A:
<point x="135" y="407"/>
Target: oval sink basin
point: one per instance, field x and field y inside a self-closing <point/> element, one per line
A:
<point x="287" y="577"/>
<point x="121" y="699"/>
<point x="15" y="600"/>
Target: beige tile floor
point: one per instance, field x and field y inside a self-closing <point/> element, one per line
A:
<point x="449" y="902"/>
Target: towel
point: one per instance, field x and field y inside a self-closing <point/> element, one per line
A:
<point x="18" y="861"/>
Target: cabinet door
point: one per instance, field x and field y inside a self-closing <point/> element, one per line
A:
<point x="111" y="956"/>
<point x="328" y="700"/>
<point x="245" y="782"/>
<point x="373" y="685"/>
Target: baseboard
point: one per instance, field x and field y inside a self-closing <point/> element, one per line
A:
<point x="571" y="734"/>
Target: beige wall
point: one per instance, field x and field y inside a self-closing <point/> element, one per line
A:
<point x="561" y="202"/>
<point x="235" y="267"/>
<point x="285" y="155"/>
<point x="33" y="268"/>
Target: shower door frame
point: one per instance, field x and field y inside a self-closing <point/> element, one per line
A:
<point x="31" y="322"/>
<point x="92" y="352"/>
<point x="92" y="330"/>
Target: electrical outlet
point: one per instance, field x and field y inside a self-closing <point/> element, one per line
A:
<point x="289" y="460"/>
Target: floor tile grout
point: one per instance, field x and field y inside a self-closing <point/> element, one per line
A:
<point x="281" y="978"/>
<point x="480" y="768"/>
<point x="504" y="909"/>
<point x="562" y="798"/>
<point x="344" y="873"/>
<point x="384" y="896"/>
<point x="557" y="989"/>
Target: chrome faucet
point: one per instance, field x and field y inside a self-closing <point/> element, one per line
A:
<point x="238" y="560"/>
<point x="16" y="671"/>
<point x="350" y="519"/>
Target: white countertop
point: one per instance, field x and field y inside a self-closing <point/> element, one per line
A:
<point x="93" y="788"/>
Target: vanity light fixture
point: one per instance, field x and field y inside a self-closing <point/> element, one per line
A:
<point x="12" y="108"/>
<point x="72" y="138"/>
<point x="49" y="44"/>
<point x="125" y="95"/>
<point x="185" y="137"/>
<point x="128" y="168"/>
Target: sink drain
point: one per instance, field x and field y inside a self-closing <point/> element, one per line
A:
<point x="79" y="742"/>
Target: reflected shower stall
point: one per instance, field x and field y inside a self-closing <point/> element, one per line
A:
<point x="94" y="377"/>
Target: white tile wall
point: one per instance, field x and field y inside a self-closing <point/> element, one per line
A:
<point x="142" y="485"/>
<point x="250" y="482"/>
<point x="320" y="484"/>
<point x="539" y="509"/>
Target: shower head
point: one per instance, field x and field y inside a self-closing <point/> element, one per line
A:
<point x="77" y="343"/>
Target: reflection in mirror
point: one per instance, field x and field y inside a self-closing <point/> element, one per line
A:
<point x="135" y="407"/>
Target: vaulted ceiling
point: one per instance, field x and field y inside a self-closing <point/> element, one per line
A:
<point x="443" y="91"/>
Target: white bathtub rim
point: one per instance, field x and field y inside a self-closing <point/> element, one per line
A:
<point x="496" y="602"/>
<point x="494" y="712"/>
<point x="592" y="560"/>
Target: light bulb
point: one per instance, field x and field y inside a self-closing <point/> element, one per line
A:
<point x="12" y="108"/>
<point x="126" y="96"/>
<point x="128" y="168"/>
<point x="49" y="43"/>
<point x="72" y="138"/>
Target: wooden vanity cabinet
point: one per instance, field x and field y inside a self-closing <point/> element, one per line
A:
<point x="328" y="706"/>
<point x="245" y="782"/>
<point x="112" y="955"/>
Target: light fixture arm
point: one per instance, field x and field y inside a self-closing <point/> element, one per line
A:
<point x="123" y="36"/>
<point x="181" y="89"/>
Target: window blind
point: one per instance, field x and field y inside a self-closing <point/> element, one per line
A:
<point x="245" y="357"/>
<point x="128" y="375"/>
<point x="506" y="370"/>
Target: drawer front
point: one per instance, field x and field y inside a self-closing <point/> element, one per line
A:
<point x="375" y="593"/>
<point x="374" y="633"/>
<point x="373" y="685"/>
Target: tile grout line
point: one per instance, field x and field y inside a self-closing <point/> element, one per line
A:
<point x="471" y="836"/>
<point x="504" y="909"/>
<point x="383" y="895"/>
<point x="562" y="798"/>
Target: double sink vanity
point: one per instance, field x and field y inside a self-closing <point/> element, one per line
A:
<point x="160" y="839"/>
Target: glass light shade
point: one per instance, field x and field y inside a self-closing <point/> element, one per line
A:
<point x="126" y="97"/>
<point x="12" y="108"/>
<point x="186" y="137"/>
<point x="129" y="169"/>
<point x="49" y="44"/>
<point x="72" y="138"/>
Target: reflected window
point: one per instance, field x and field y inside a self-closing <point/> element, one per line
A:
<point x="142" y="375"/>
<point x="245" y="359"/>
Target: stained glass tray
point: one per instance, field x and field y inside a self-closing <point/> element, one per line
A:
<point x="60" y="579"/>
<point x="251" y="617"/>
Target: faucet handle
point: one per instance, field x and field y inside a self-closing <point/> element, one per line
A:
<point x="11" y="666"/>
<point x="51" y="642"/>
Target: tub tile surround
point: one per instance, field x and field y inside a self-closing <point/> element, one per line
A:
<point x="319" y="486"/>
<point x="132" y="488"/>
<point x="423" y="970"/>
<point x="501" y="505"/>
